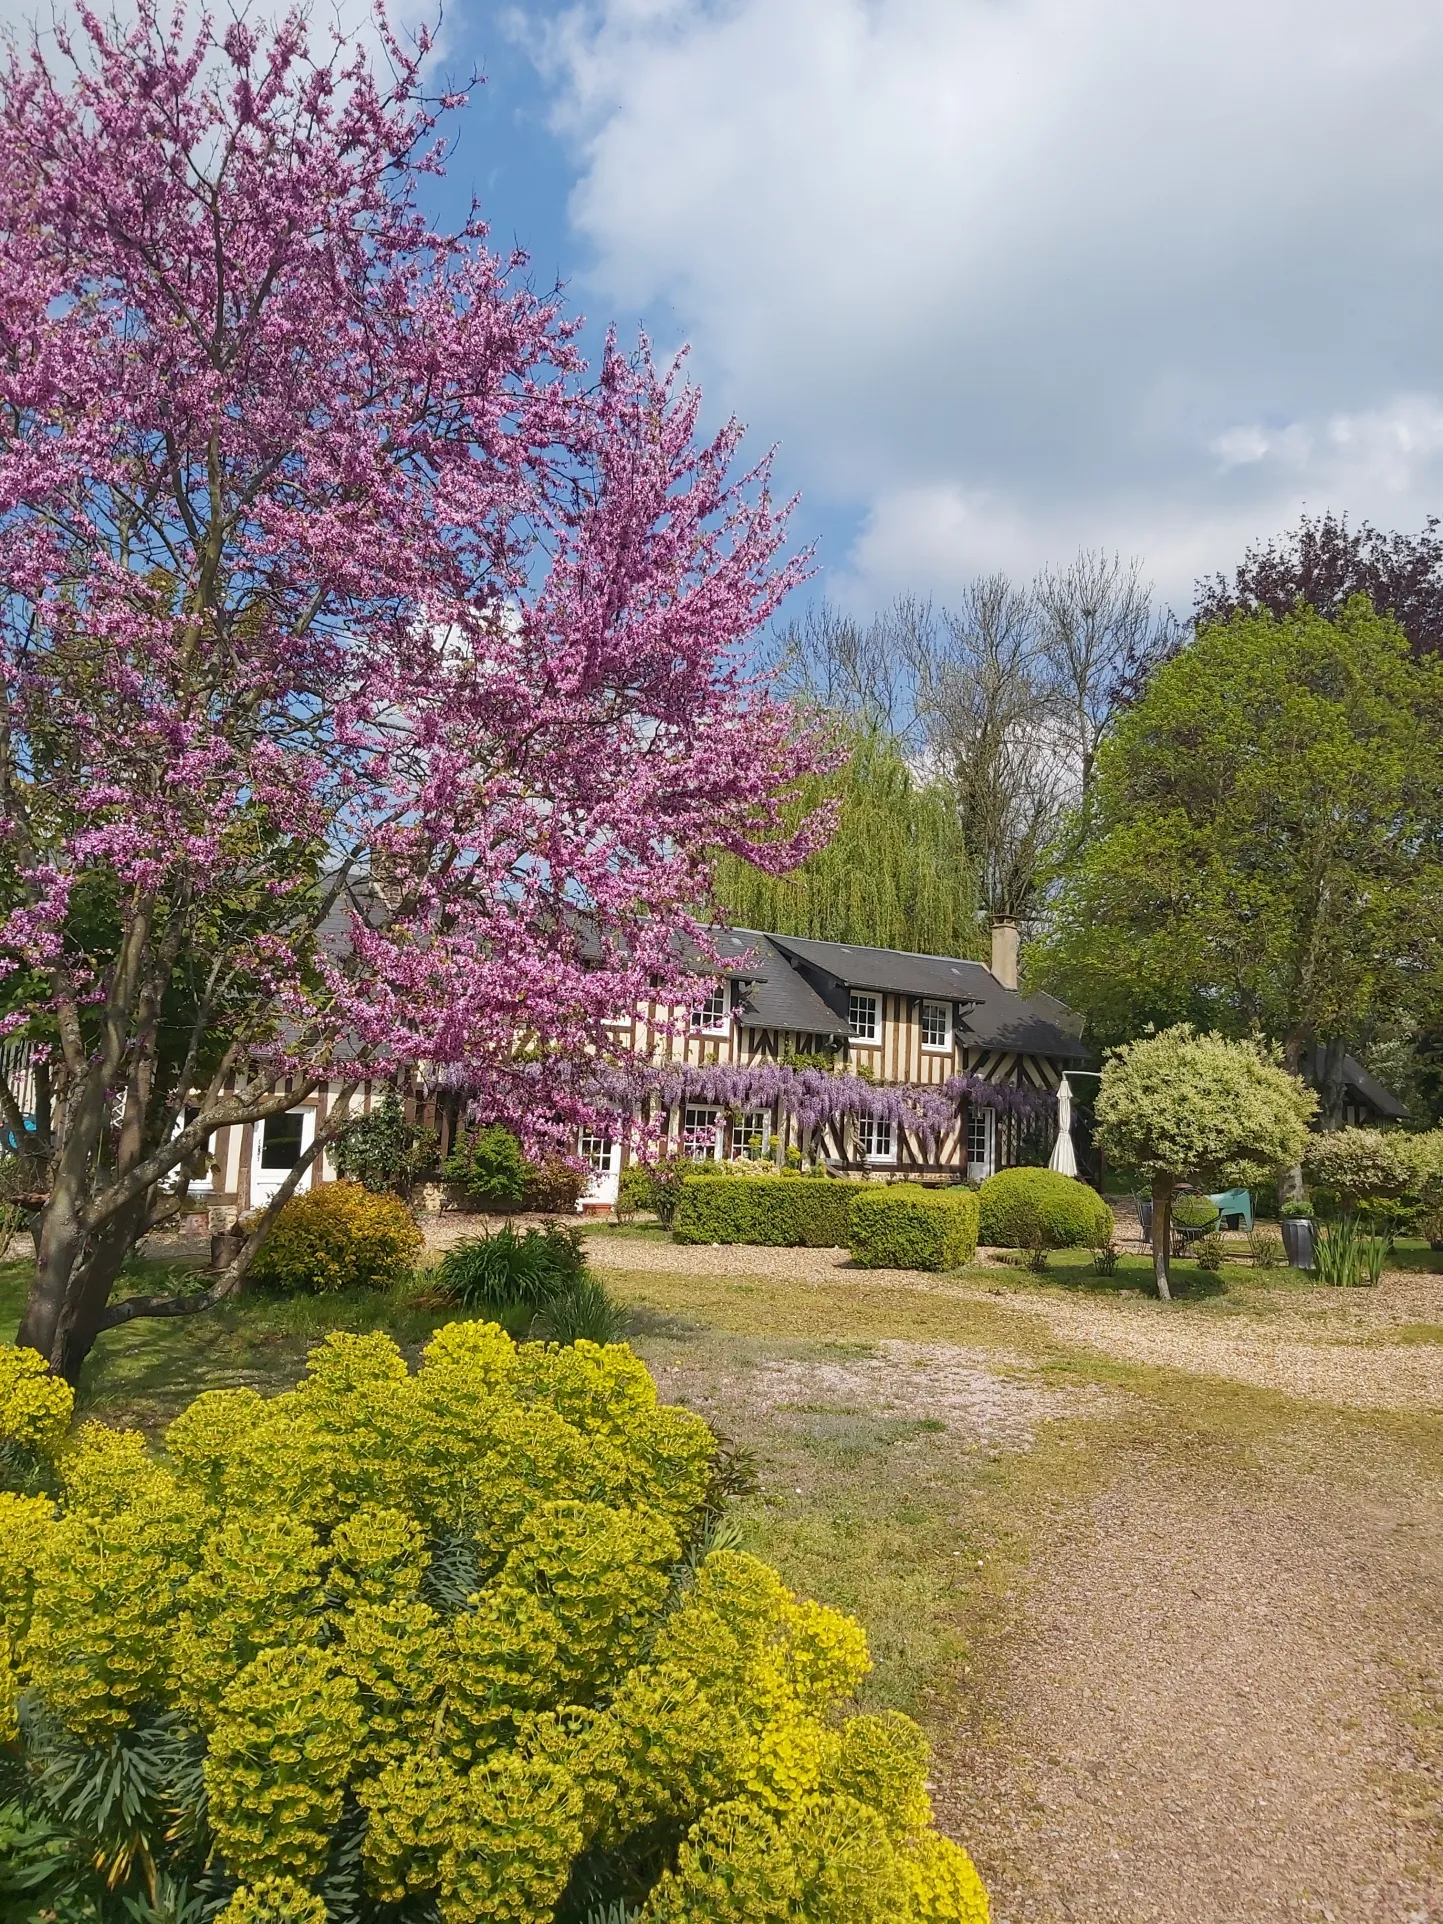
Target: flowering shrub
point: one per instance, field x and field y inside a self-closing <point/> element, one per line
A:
<point x="338" y="1236"/>
<point x="904" y="1226"/>
<point x="35" y="1406"/>
<point x="445" y="1640"/>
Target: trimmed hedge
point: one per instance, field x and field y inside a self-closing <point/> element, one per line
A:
<point x="789" y="1212"/>
<point x="903" y="1225"/>
<point x="1016" y="1204"/>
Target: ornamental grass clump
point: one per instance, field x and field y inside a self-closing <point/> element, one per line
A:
<point x="443" y="1645"/>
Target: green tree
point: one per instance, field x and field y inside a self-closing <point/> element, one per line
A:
<point x="1263" y="848"/>
<point x="895" y="875"/>
<point x="1182" y="1107"/>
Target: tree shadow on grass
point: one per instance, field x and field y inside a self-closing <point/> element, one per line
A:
<point x="1073" y="1270"/>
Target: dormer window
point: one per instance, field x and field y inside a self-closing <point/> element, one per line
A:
<point x="863" y="1023"/>
<point x="711" y="1017"/>
<point x="936" y="1025"/>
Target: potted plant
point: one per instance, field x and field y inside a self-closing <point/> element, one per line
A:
<point x="1296" y="1223"/>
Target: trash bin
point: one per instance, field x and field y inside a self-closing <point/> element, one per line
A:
<point x="1298" y="1240"/>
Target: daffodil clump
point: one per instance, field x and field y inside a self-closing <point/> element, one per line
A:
<point x="442" y="1645"/>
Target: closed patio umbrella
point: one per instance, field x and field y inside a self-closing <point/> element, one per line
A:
<point x="1064" y="1157"/>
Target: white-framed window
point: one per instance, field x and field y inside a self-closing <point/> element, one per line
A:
<point x="875" y="1139"/>
<point x="700" y="1132"/>
<point x="753" y="1133"/>
<point x="596" y="1152"/>
<point x="981" y="1141"/>
<point x="936" y="1025"/>
<point x="711" y="1017"/>
<point x="863" y="1023"/>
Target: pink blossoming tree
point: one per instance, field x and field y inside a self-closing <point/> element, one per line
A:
<point x="371" y="687"/>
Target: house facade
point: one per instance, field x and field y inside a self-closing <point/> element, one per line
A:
<point x="893" y="1018"/>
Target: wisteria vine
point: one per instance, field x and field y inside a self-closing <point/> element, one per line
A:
<point x="814" y="1098"/>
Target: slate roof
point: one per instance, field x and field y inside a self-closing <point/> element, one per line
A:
<point x="773" y="994"/>
<point x="1362" y="1086"/>
<point x="993" y="1018"/>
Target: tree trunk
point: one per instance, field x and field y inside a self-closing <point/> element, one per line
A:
<point x="1333" y="1085"/>
<point x="58" y="1249"/>
<point x="1290" y="1176"/>
<point x="1162" y="1235"/>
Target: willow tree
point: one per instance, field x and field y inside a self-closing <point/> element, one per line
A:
<point x="895" y="875"/>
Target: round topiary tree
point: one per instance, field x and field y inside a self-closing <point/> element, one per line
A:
<point x="443" y="1644"/>
<point x="1020" y="1204"/>
<point x="1181" y="1107"/>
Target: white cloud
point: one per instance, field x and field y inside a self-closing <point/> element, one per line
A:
<point x="1005" y="275"/>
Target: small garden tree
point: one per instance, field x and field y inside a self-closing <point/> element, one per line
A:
<point x="1180" y="1107"/>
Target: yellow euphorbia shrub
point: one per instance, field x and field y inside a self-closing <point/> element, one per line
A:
<point x="35" y="1407"/>
<point x="449" y="1626"/>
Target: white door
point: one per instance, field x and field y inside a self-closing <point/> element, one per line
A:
<point x="981" y="1143"/>
<point x="278" y="1145"/>
<point x="603" y="1160"/>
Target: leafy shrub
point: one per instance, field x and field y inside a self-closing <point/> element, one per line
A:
<point x="780" y="1209"/>
<point x="656" y="1185"/>
<point x="1072" y="1216"/>
<point x="384" y="1152"/>
<point x="635" y="1190"/>
<point x="430" y="1644"/>
<point x="338" y="1236"/>
<point x="1265" y="1246"/>
<point x="497" y="1271"/>
<point x="487" y="1165"/>
<point x="552" y="1187"/>
<point x="1430" y="1226"/>
<point x="904" y="1226"/>
<point x="1194" y="1212"/>
<point x="1350" y="1163"/>
<point x="1298" y="1209"/>
<point x="1104" y="1258"/>
<point x="1209" y="1252"/>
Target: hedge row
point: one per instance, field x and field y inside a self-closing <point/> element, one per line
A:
<point x="906" y="1226"/>
<point x="807" y="1212"/>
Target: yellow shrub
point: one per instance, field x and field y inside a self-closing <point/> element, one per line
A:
<point x="273" y="1900"/>
<point x="35" y="1407"/>
<point x="279" y="1758"/>
<point x="338" y="1236"/>
<point x="454" y="1603"/>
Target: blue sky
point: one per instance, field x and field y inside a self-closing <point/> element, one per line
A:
<point x="1003" y="277"/>
<point x="999" y="278"/>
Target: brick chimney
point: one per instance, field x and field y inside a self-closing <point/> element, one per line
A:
<point x="1004" y="952"/>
